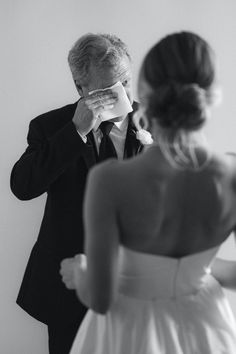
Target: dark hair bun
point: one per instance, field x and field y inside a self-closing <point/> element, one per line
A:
<point x="178" y="106"/>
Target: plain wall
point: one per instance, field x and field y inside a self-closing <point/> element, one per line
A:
<point x="35" y="39"/>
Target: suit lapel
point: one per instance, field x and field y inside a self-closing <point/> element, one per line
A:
<point x="91" y="156"/>
<point x="132" y="144"/>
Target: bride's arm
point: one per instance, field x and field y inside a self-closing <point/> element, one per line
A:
<point x="98" y="283"/>
<point x="225" y="272"/>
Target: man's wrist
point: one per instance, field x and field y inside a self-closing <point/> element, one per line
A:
<point x="83" y="137"/>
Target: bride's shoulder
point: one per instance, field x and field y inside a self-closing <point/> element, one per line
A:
<point x="105" y="173"/>
<point x="229" y="159"/>
<point x="224" y="165"/>
<point x="223" y="160"/>
<point x="114" y="167"/>
<point x="231" y="156"/>
<point x="107" y="167"/>
<point x="113" y="173"/>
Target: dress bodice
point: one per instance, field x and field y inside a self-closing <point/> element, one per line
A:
<point x="153" y="277"/>
<point x="164" y="305"/>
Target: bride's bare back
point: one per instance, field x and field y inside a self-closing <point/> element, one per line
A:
<point x="172" y="212"/>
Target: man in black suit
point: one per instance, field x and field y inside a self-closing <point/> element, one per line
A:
<point x="62" y="146"/>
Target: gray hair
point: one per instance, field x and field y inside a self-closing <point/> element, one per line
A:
<point x="100" y="50"/>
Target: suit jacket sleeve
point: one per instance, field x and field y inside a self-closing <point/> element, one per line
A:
<point x="45" y="158"/>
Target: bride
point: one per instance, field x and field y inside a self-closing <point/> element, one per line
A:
<point x="155" y="222"/>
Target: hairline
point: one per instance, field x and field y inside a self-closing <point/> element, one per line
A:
<point x="99" y="50"/>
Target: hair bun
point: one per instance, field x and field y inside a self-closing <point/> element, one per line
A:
<point x="178" y="106"/>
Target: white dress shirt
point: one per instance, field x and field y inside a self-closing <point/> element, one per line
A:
<point x="117" y="135"/>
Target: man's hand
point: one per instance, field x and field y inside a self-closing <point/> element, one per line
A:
<point x="72" y="270"/>
<point x="89" y="108"/>
<point x="67" y="272"/>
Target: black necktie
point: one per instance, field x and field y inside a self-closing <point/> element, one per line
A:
<point x="106" y="149"/>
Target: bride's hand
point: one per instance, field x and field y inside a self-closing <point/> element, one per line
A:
<point x="72" y="269"/>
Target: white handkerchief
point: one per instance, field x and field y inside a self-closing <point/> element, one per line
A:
<point x="121" y="108"/>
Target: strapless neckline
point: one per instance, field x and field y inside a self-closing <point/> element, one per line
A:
<point x="163" y="305"/>
<point x="151" y="255"/>
<point x="144" y="275"/>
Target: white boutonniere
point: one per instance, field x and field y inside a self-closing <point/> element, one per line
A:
<point x="144" y="137"/>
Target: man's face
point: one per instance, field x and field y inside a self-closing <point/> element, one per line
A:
<point x="103" y="78"/>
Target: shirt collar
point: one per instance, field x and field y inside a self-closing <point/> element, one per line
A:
<point x="122" y="125"/>
<point x="119" y="125"/>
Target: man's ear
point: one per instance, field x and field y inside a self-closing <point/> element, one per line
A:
<point x="79" y="89"/>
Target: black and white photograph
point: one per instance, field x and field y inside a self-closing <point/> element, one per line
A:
<point x="118" y="177"/>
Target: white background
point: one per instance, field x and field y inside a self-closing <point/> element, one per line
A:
<point x="35" y="39"/>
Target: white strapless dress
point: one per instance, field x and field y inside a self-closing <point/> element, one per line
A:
<point x="164" y="306"/>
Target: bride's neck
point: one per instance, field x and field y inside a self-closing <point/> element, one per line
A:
<point x="180" y="149"/>
<point x="182" y="138"/>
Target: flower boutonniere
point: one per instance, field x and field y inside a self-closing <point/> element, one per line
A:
<point x="144" y="137"/>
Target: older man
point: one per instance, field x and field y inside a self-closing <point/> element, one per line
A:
<point x="63" y="145"/>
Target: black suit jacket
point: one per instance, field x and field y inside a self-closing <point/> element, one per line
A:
<point x="56" y="161"/>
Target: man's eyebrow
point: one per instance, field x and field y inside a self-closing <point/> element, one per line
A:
<point x="125" y="75"/>
<point x="126" y="78"/>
